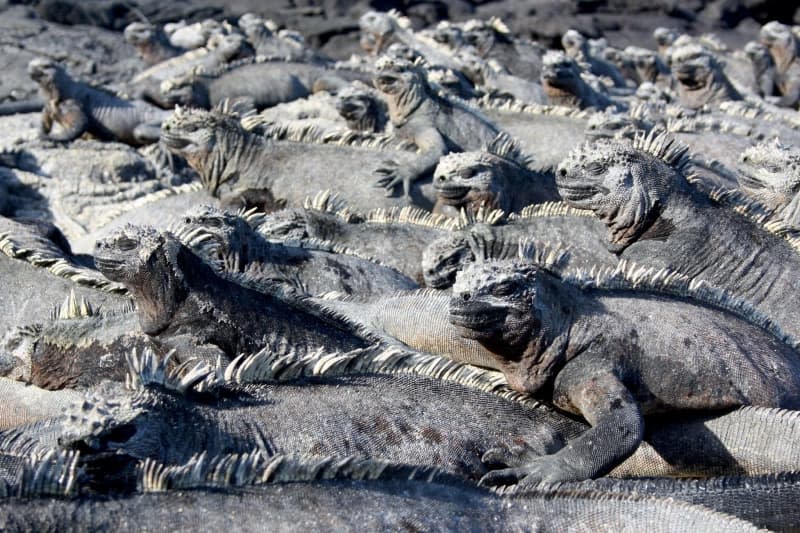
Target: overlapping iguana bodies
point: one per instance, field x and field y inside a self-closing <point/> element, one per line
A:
<point x="228" y="238"/>
<point x="151" y="43"/>
<point x="577" y="47"/>
<point x="435" y="124"/>
<point x="184" y="305"/>
<point x="657" y="218"/>
<point x="80" y="108"/>
<point x="240" y="166"/>
<point x="604" y="349"/>
<point x="498" y="177"/>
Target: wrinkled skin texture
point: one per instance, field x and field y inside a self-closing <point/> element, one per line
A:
<point x="602" y="354"/>
<point x="436" y="125"/>
<point x="656" y="218"/>
<point x="362" y="109"/>
<point x="183" y="304"/>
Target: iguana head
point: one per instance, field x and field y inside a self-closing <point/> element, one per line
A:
<point x="404" y="83"/>
<point x="759" y="55"/>
<point x="483" y="35"/>
<point x="47" y="73"/>
<point x="182" y="91"/>
<point x="146" y="262"/>
<point x="253" y="26"/>
<point x="204" y="139"/>
<point x="216" y="233"/>
<point x="480" y="178"/>
<point x="449" y="35"/>
<point x="361" y="108"/>
<point x="377" y="29"/>
<point x="770" y="171"/>
<point x="140" y="34"/>
<point x="443" y="258"/>
<point x="664" y="38"/>
<point x="507" y="307"/>
<point x="285" y="225"/>
<point x="646" y="62"/>
<point x="700" y="76"/>
<point x="560" y="74"/>
<point x="611" y="125"/>
<point x="625" y="185"/>
<point x="781" y="42"/>
<point x="574" y="43"/>
<point x="227" y="45"/>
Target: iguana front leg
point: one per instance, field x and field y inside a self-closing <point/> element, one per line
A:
<point x="72" y="119"/>
<point x="432" y="146"/>
<point x="617" y="430"/>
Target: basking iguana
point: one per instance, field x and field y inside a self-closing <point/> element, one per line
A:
<point x="701" y="80"/>
<point x="499" y="176"/>
<point x="184" y="305"/>
<point x="435" y="124"/>
<point x="656" y="217"/>
<point x="270" y="43"/>
<point x="231" y="240"/>
<point x="770" y="173"/>
<point x="763" y="68"/>
<point x="784" y="48"/>
<point x="493" y="42"/>
<point x="242" y="167"/>
<point x="362" y="109"/>
<point x="263" y="82"/>
<point x="577" y="47"/>
<point x="151" y="43"/>
<point x="80" y="108"/>
<point x="564" y="86"/>
<point x="615" y="346"/>
<point x="396" y="236"/>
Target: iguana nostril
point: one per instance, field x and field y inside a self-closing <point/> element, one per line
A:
<point x="562" y="172"/>
<point x="465" y="297"/>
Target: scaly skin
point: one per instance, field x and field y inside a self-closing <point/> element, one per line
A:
<point x="80" y="108"/>
<point x="655" y="217"/>
<point x="577" y="47"/>
<point x="436" y="125"/>
<point x="184" y="305"/>
<point x="784" y="49"/>
<point x="220" y="235"/>
<point x="613" y="356"/>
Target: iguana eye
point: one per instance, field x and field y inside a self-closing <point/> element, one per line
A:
<point x="504" y="289"/>
<point x="126" y="245"/>
<point x="595" y="167"/>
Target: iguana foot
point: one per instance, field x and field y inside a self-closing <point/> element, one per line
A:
<point x="390" y="175"/>
<point x="546" y="470"/>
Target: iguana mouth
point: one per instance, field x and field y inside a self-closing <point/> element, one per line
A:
<point x="475" y="315"/>
<point x="577" y="192"/>
<point x="105" y="264"/>
<point x="451" y="193"/>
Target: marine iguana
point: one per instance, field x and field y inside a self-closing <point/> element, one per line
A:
<point x="701" y="80"/>
<point x="241" y="167"/>
<point x="362" y="109"/>
<point x="564" y="86"/>
<point x="561" y="235"/>
<point x="396" y="236"/>
<point x="79" y="108"/>
<point x="151" y="43"/>
<point x="491" y="77"/>
<point x="649" y="67"/>
<point x="577" y="47"/>
<point x="770" y="173"/>
<point x="346" y="493"/>
<point x="435" y="124"/>
<point x="656" y="217"/>
<point x="270" y="43"/>
<point x="193" y="36"/>
<point x="263" y="82"/>
<point x="784" y="48"/>
<point x="184" y="305"/>
<point x="499" y="176"/>
<point x="492" y="40"/>
<point x="218" y="235"/>
<point x="219" y="50"/>
<point x="598" y="347"/>
<point x="25" y="404"/>
<point x="763" y="68"/>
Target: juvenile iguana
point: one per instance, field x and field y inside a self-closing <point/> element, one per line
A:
<point x="614" y="347"/>
<point x="80" y="108"/>
<point x="223" y="237"/>
<point x="184" y="305"/>
<point x="435" y="124"/>
<point x="499" y="176"/>
<point x="151" y="43"/>
<point x="657" y="218"/>
<point x="242" y="167"/>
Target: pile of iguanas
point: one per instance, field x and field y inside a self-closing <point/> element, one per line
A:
<point x="458" y="282"/>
